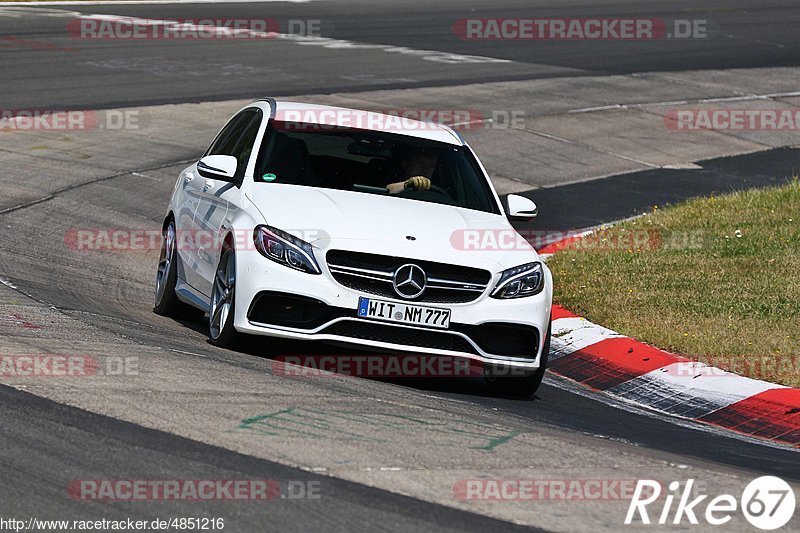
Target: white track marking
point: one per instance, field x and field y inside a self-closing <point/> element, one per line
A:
<point x="17" y="10"/>
<point x="188" y="353"/>
<point x="689" y="389"/>
<point x="8" y="284"/>
<point x="307" y="40"/>
<point x="743" y="98"/>
<point x="140" y="175"/>
<point x="624" y="404"/>
<point x="572" y="334"/>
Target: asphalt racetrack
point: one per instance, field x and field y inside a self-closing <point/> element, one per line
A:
<point x="386" y="454"/>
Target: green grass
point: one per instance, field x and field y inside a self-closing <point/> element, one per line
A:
<point x="715" y="279"/>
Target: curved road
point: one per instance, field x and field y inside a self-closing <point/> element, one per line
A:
<point x="387" y="454"/>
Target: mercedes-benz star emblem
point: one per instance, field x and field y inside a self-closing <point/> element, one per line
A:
<point x="409" y="281"/>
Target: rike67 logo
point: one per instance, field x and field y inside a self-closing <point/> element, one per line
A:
<point x="767" y="502"/>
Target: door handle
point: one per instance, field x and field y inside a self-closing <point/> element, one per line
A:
<point x="208" y="185"/>
<point x="188" y="178"/>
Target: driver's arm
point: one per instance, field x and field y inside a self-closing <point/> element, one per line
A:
<point x="416" y="183"/>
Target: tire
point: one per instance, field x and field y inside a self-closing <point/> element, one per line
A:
<point x="223" y="303"/>
<point x="166" y="301"/>
<point x="525" y="386"/>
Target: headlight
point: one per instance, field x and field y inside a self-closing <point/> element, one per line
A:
<point x="521" y="281"/>
<point x="285" y="249"/>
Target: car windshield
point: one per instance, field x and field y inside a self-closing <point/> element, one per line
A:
<point x="373" y="163"/>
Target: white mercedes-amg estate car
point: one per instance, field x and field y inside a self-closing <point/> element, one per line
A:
<point x="322" y="223"/>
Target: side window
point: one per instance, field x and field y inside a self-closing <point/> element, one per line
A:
<point x="244" y="147"/>
<point x="227" y="138"/>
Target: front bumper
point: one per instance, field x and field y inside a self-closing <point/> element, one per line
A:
<point x="501" y="332"/>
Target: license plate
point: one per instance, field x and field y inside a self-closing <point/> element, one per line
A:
<point x="404" y="313"/>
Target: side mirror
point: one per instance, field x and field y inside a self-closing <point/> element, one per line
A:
<point x="520" y="207"/>
<point x="218" y="167"/>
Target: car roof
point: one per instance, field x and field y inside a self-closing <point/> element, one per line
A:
<point x="367" y="120"/>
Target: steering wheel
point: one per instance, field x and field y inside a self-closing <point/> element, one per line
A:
<point x="440" y="190"/>
<point x="435" y="189"/>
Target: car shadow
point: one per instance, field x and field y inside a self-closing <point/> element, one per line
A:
<point x="306" y="358"/>
<point x="300" y="358"/>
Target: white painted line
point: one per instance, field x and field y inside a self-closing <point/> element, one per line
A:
<point x="428" y="55"/>
<point x="595" y="148"/>
<point x="188" y="353"/>
<point x="140" y="175"/>
<point x="598" y="108"/>
<point x="683" y="166"/>
<point x="742" y="98"/>
<point x="757" y="41"/>
<point x="7" y="11"/>
<point x="8" y="284"/>
<point x="471" y="122"/>
<point x="304" y="40"/>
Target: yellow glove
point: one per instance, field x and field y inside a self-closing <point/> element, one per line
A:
<point x="418" y="183"/>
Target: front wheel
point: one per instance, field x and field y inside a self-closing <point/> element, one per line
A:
<point x="525" y="386"/>
<point x="223" y="300"/>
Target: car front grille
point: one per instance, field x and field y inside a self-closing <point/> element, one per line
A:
<point x="373" y="274"/>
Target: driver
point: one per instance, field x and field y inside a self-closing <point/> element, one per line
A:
<point x="417" y="169"/>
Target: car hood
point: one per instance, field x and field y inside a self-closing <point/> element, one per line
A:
<point x="330" y="218"/>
